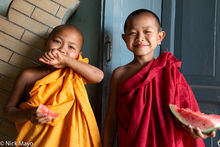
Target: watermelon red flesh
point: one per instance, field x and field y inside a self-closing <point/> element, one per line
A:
<point x="205" y="122"/>
<point x="43" y="109"/>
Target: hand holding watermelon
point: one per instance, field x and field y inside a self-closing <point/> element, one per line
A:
<point x="42" y="115"/>
<point x="198" y="124"/>
<point x="197" y="133"/>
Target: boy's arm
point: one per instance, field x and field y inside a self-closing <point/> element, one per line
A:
<point x="91" y="73"/>
<point x="11" y="110"/>
<point x="110" y="119"/>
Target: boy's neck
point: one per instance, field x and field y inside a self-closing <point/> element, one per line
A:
<point x="142" y="60"/>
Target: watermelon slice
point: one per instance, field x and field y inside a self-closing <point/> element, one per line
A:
<point x="205" y="122"/>
<point x="43" y="109"/>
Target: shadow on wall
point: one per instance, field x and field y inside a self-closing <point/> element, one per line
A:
<point x="22" y="34"/>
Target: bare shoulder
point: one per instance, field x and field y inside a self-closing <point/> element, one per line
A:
<point x="31" y="75"/>
<point x="28" y="72"/>
<point x="19" y="91"/>
<point x="24" y="75"/>
<point x="123" y="73"/>
<point x="118" y="73"/>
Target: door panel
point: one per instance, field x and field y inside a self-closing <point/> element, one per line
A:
<point x="197" y="45"/>
<point x="198" y="37"/>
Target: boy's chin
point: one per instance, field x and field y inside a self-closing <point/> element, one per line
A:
<point x="144" y="53"/>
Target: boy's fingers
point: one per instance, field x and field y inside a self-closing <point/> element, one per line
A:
<point x="54" y="53"/>
<point x="38" y="114"/>
<point x="41" y="59"/>
<point x="41" y="118"/>
<point x="212" y="134"/>
<point x="191" y="130"/>
<point x="47" y="57"/>
<point x="197" y="133"/>
<point x="44" y="120"/>
<point x="51" y="55"/>
<point x="59" y="55"/>
<point x="204" y="135"/>
<point x="200" y="134"/>
<point x="44" y="60"/>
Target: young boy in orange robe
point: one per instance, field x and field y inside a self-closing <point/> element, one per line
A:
<point x="141" y="91"/>
<point x="59" y="84"/>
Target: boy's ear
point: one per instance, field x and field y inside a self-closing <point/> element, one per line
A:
<point x="161" y="36"/>
<point x="80" y="53"/>
<point x="123" y="37"/>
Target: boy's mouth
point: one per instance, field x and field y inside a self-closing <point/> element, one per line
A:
<point x="140" y="45"/>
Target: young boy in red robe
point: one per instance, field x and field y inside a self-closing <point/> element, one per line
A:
<point x="141" y="91"/>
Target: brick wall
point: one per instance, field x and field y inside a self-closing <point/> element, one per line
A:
<point x="22" y="35"/>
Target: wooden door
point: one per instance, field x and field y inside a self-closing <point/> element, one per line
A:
<point x="193" y="28"/>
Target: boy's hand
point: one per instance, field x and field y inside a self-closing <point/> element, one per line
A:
<point x="38" y="117"/>
<point x="54" y="58"/>
<point x="197" y="133"/>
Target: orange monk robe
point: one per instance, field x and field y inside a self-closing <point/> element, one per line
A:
<point x="63" y="92"/>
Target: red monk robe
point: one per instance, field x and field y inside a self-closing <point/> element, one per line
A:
<point x="143" y="115"/>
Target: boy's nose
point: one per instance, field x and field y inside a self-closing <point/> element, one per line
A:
<point x="140" y="37"/>
<point x="62" y="49"/>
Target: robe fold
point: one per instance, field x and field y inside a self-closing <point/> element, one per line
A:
<point x="63" y="92"/>
<point x="143" y="115"/>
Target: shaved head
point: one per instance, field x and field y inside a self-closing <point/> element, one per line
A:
<point x="141" y="12"/>
<point x="66" y="26"/>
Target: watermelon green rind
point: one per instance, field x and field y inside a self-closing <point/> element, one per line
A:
<point x="211" y="129"/>
<point x="176" y="114"/>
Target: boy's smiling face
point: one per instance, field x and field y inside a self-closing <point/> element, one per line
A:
<point x="66" y="40"/>
<point x="143" y="34"/>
